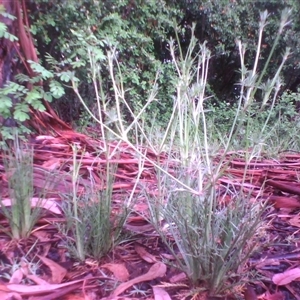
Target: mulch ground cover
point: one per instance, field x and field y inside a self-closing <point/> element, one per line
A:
<point x="136" y="270"/>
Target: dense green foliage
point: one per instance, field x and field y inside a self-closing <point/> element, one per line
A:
<point x="139" y="33"/>
<point x="222" y="22"/>
<point x="71" y="35"/>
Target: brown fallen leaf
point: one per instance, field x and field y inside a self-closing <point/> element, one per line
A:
<point x="276" y="296"/>
<point x="295" y="221"/>
<point x="58" y="294"/>
<point x="42" y="235"/>
<point x="145" y="255"/>
<point x="284" y="202"/>
<point x="86" y="296"/>
<point x="57" y="272"/>
<point x="157" y="270"/>
<point x="119" y="270"/>
<point x="35" y="289"/>
<point x="48" y="204"/>
<point x="37" y="280"/>
<point x="160" y="294"/>
<point x="178" y="278"/>
<point x="9" y="296"/>
<point x="286" y="277"/>
<point x="288" y="187"/>
<point x="52" y="164"/>
<point x="17" y="276"/>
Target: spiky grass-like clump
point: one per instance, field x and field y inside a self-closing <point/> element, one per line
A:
<point x="92" y="229"/>
<point x="19" y="172"/>
<point x="210" y="241"/>
<point x="213" y="241"/>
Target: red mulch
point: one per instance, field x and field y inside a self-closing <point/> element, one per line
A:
<point x="275" y="181"/>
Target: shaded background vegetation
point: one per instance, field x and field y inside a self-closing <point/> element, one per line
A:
<point x="140" y="31"/>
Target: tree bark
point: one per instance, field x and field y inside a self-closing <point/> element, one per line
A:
<point x="24" y="50"/>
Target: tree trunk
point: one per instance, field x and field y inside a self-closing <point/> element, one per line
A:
<point x="24" y="50"/>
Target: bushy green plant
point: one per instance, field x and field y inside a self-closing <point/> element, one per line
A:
<point x="17" y="98"/>
<point x="3" y="28"/>
<point x="140" y="40"/>
<point x="221" y="22"/>
<point x="280" y="131"/>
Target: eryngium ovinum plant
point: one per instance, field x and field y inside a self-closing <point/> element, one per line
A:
<point x="210" y="240"/>
<point x="21" y="214"/>
<point x="92" y="229"/>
